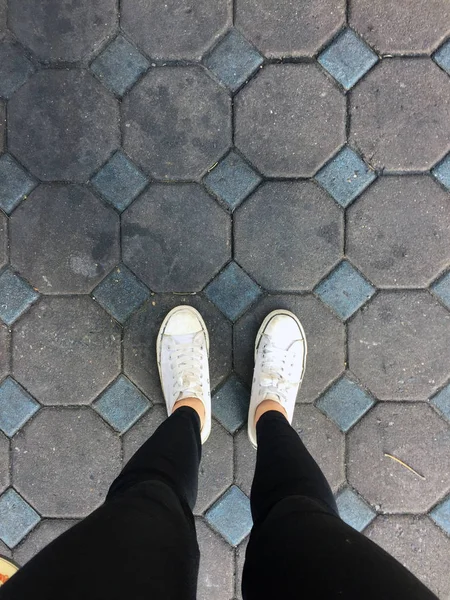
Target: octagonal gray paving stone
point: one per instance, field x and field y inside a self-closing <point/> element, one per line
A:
<point x="175" y="237"/>
<point x="66" y="350"/>
<point x="4" y="462"/>
<point x="400" y="115"/>
<point x="44" y="533"/>
<point x="298" y="226"/>
<point x="324" y="334"/>
<point x="281" y="29"/>
<point x="176" y="29"/>
<point x="290" y="120"/>
<point x="188" y="128"/>
<point x="398" y="345"/>
<point x="419" y="545"/>
<point x="216" y="575"/>
<point x="63" y="124"/>
<point x="140" y="341"/>
<point x="397" y="232"/>
<point x="63" y="239"/>
<point x="57" y="31"/>
<point x="413" y="433"/>
<point x="64" y="461"/>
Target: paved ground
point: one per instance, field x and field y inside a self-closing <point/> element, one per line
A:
<point x="237" y="159"/>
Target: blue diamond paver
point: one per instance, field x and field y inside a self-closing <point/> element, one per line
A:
<point x="120" y="65"/>
<point x="233" y="60"/>
<point x="121" y="293"/>
<point x="441" y="288"/>
<point x="16" y="406"/>
<point x="441" y="514"/>
<point x="345" y="290"/>
<point x="119" y="181"/>
<point x="122" y="404"/>
<point x="232" y="180"/>
<point x="15" y="184"/>
<point x="345" y="403"/>
<point x="15" y="296"/>
<point x="230" y="404"/>
<point x="442" y="171"/>
<point x="231" y="516"/>
<point x="353" y="510"/>
<point x="442" y="56"/>
<point x="442" y="401"/>
<point x="15" y="68"/>
<point x="347" y="58"/>
<point x="17" y="518"/>
<point x="232" y="291"/>
<point x="345" y="177"/>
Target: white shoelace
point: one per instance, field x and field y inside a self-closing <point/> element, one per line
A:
<point x="277" y="371"/>
<point x="186" y="364"/>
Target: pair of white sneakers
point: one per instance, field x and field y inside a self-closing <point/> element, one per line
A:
<point x="183" y="349"/>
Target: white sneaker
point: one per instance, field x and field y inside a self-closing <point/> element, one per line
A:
<point x="280" y="355"/>
<point x="182" y="350"/>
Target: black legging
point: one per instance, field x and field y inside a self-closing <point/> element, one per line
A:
<point x="141" y="544"/>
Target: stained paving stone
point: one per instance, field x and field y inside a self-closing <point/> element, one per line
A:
<point x="230" y="404"/>
<point x="324" y="333"/>
<point x="216" y="572"/>
<point x="17" y="517"/>
<point x="139" y="433"/>
<point x="419" y="545"/>
<point x="233" y="291"/>
<point x="188" y="128"/>
<point x="44" y="533"/>
<point x="400" y="115"/>
<point x="383" y="347"/>
<point x="287" y="29"/>
<point x="175" y="237"/>
<point x="5" y="343"/>
<point x="232" y="180"/>
<point x="15" y="68"/>
<point x="15" y="183"/>
<point x="231" y="516"/>
<point x="442" y="401"/>
<point x="140" y="342"/>
<point x="240" y="561"/>
<point x="66" y="350"/>
<point x="414" y="434"/>
<point x="70" y="132"/>
<point x="17" y="406"/>
<point x="244" y="461"/>
<point x="57" y="474"/>
<point x="353" y="510"/>
<point x="442" y="56"/>
<point x="16" y="296"/>
<point x="233" y="60"/>
<point x="62" y="32"/>
<point x="295" y="224"/>
<point x="120" y="65"/>
<point x="289" y="120"/>
<point x="401" y="28"/>
<point x="408" y="255"/>
<point x="4" y="463"/>
<point x="441" y="514"/>
<point x="63" y="239"/>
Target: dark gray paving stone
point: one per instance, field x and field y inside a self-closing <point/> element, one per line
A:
<point x="175" y="237"/>
<point x="354" y="510"/>
<point x="45" y="532"/>
<point x="4" y="463"/>
<point x="140" y="342"/>
<point x="285" y="29"/>
<point x="3" y="11"/>
<point x="15" y="183"/>
<point x="400" y="115"/>
<point x="175" y="30"/>
<point x="62" y="32"/>
<point x="295" y="224"/>
<point x="17" y="518"/>
<point x="408" y="256"/>
<point x="398" y="345"/>
<point x="63" y="239"/>
<point x="64" y="461"/>
<point x="2" y="126"/>
<point x="244" y="461"/>
<point x="230" y="404"/>
<point x="66" y="350"/>
<point x="240" y="560"/>
<point x="441" y="515"/>
<point x="401" y="28"/>
<point x="324" y="334"/>
<point x="17" y="406"/>
<point x="188" y="128"/>
<point x="5" y="343"/>
<point x="216" y="575"/>
<point x="139" y="433"/>
<point x="231" y="516"/>
<point x="70" y="131"/>
<point x="413" y="433"/>
<point x="419" y="545"/>
<point x="15" y="68"/>
<point x="290" y="120"/>
<point x="3" y="240"/>
<point x="16" y="296"/>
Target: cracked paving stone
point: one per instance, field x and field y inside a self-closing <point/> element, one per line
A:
<point x="66" y="350"/>
<point x="175" y="237"/>
<point x="15" y="68"/>
<point x="400" y="115"/>
<point x="65" y="460"/>
<point x="70" y="131"/>
<point x="63" y="239"/>
<point x="216" y="574"/>
<point x="4" y="463"/>
<point x="290" y="120"/>
<point x="188" y="128"/>
<point x="384" y="352"/>
<point x="412" y="433"/>
<point x="45" y="532"/>
<point x="298" y="226"/>
<point x="324" y="334"/>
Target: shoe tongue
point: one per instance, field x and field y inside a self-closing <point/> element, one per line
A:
<point x="185" y="338"/>
<point x="271" y="396"/>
